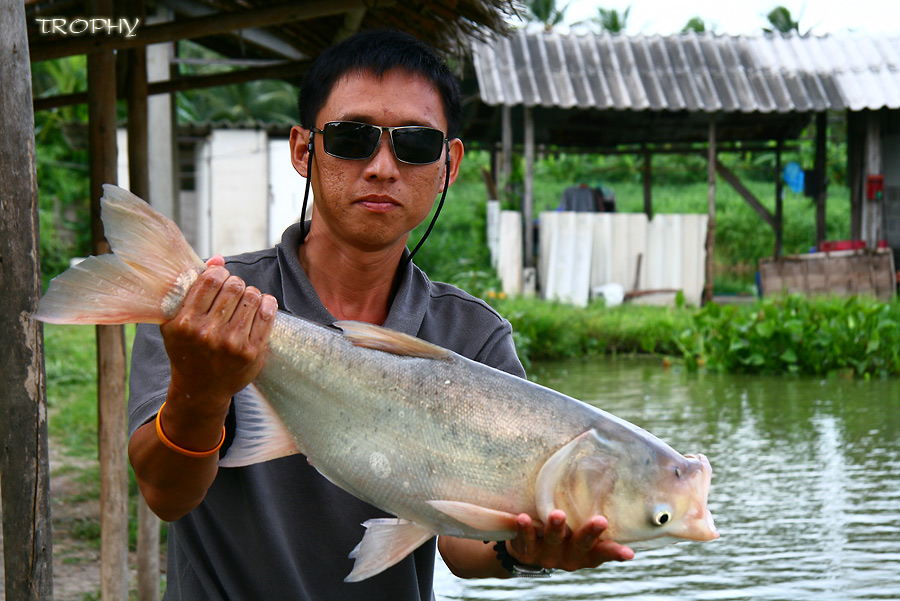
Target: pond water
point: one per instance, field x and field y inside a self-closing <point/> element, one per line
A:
<point x="805" y="489"/>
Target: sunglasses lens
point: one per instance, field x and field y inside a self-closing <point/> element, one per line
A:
<point x="352" y="140"/>
<point x="418" y="145"/>
<point x="349" y="140"/>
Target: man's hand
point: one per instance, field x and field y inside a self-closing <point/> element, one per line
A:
<point x="557" y="547"/>
<point x="217" y="341"/>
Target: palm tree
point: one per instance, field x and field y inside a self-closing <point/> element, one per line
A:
<point x="609" y="19"/>
<point x="695" y="24"/>
<point x="545" y="12"/>
<point x="780" y="19"/>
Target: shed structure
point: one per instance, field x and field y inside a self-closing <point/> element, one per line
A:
<point x="699" y="93"/>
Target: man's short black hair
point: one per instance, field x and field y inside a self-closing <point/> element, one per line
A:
<point x="377" y="52"/>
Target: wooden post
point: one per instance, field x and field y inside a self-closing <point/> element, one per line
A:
<point x="24" y="462"/>
<point x="507" y="150"/>
<point x="112" y="413"/>
<point x="779" y="202"/>
<point x="711" y="226"/>
<point x="528" y="200"/>
<point x="821" y="180"/>
<point x="139" y="182"/>
<point x="871" y="209"/>
<point x="648" y="183"/>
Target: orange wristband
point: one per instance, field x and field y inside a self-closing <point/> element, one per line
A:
<point x="180" y="450"/>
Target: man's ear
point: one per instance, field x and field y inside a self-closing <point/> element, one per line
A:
<point x="456" y="152"/>
<point x="301" y="148"/>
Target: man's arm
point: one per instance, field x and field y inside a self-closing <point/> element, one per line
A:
<point x="216" y="346"/>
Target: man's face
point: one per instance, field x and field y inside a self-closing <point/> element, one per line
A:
<point x="374" y="203"/>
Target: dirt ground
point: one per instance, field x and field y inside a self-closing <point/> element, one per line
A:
<point x="76" y="547"/>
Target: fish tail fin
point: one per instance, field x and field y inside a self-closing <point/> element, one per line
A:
<point x="145" y="280"/>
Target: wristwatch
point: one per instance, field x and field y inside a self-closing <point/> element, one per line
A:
<point x="516" y="569"/>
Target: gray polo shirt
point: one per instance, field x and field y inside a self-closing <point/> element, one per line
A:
<point x="279" y="530"/>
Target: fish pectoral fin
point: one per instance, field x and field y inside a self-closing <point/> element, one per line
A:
<point x="260" y="435"/>
<point x="576" y="478"/>
<point x="375" y="337"/>
<point x="386" y="542"/>
<point x="475" y="516"/>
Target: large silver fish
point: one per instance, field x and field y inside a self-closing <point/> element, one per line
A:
<point x="448" y="445"/>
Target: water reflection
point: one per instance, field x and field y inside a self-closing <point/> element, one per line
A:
<point x="805" y="492"/>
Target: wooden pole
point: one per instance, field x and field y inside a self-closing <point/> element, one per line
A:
<point x="648" y="183"/>
<point x="821" y="180"/>
<point x="139" y="183"/>
<point x="507" y="141"/>
<point x="779" y="202"/>
<point x="711" y="227"/>
<point x="871" y="213"/>
<point x="111" y="404"/>
<point x="24" y="462"/>
<point x="528" y="200"/>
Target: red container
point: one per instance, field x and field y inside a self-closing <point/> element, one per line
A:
<point x="833" y="245"/>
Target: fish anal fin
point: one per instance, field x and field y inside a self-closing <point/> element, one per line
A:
<point x="576" y="478"/>
<point x="478" y="517"/>
<point x="260" y="435"/>
<point x="376" y="337"/>
<point x="386" y="542"/>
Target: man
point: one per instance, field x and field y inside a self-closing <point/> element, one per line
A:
<point x="278" y="530"/>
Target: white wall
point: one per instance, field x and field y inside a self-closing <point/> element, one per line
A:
<point x="581" y="251"/>
<point x="286" y="188"/>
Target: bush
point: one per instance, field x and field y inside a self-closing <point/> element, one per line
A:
<point x="825" y="336"/>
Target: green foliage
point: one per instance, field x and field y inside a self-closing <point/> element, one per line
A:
<point x="695" y="24"/>
<point x="824" y="336"/>
<point x="781" y="21"/>
<point x="545" y="12"/>
<point x="608" y="19"/>
<point x="547" y="330"/>
<point x="268" y="101"/>
<point x="62" y="163"/>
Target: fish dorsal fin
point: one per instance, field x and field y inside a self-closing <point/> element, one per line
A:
<point x="376" y="337"/>
<point x="260" y="435"/>
<point x="576" y="478"/>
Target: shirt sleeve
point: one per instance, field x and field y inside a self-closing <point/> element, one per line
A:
<point x="148" y="381"/>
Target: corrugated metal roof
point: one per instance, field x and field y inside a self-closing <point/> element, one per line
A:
<point x="769" y="73"/>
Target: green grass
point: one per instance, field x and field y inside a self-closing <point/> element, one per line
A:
<point x="70" y="356"/>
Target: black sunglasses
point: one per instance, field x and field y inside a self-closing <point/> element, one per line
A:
<point x="411" y="144"/>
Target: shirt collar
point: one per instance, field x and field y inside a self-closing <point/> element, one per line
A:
<point x="406" y="313"/>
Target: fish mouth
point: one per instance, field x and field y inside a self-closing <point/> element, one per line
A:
<point x="698" y="522"/>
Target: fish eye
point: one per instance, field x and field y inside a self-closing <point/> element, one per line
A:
<point x="662" y="517"/>
<point x="677" y="472"/>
